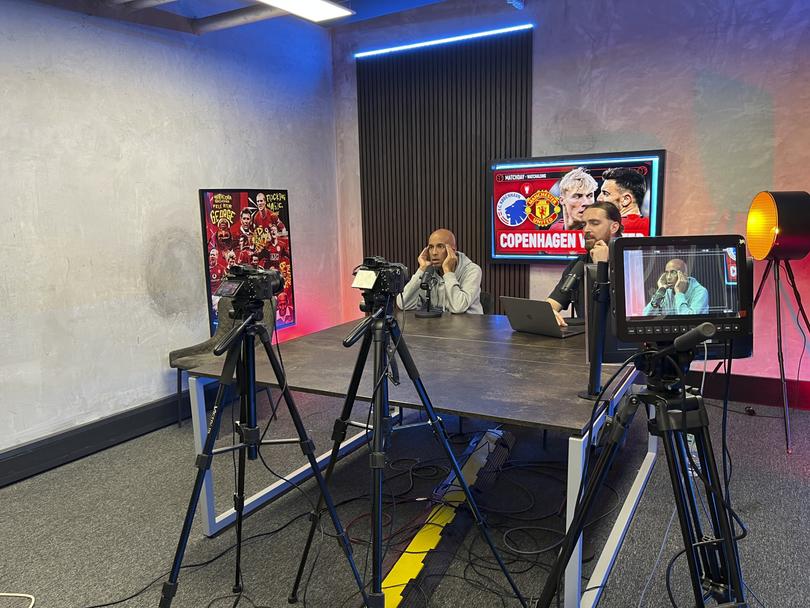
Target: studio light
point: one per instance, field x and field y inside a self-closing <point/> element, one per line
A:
<point x="313" y="10"/>
<point x="778" y="225"/>
<point x="778" y="230"/>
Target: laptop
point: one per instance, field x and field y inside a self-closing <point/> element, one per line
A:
<point x="536" y="317"/>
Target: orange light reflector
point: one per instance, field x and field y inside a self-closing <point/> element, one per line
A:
<point x="762" y="226"/>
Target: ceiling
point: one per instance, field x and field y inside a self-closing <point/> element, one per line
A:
<point x="199" y="17"/>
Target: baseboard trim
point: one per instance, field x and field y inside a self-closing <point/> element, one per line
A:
<point x="37" y="457"/>
<point x="753" y="389"/>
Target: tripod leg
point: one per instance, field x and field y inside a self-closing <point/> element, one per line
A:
<point x="729" y="572"/>
<point x="203" y="463"/>
<point x="780" y="355"/>
<point x="377" y="460"/>
<point x="338" y="435"/>
<point x="762" y="282"/>
<point x="441" y="435"/>
<point x="308" y="448"/>
<point x="676" y="475"/>
<point x="614" y="432"/>
<point x="245" y="373"/>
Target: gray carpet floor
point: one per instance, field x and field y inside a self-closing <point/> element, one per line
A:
<point x="102" y="528"/>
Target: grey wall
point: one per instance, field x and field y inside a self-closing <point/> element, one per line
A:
<point x="107" y="131"/>
<point x="722" y="85"/>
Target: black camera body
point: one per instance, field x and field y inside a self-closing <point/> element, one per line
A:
<point x="245" y="283"/>
<point x="391" y="276"/>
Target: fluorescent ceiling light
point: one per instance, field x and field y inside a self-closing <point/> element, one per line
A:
<point x="314" y="10"/>
<point x="416" y="45"/>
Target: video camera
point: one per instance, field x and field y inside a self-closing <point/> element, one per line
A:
<point x="662" y="287"/>
<point x="381" y="277"/>
<point x="245" y="283"/>
<point x="380" y="281"/>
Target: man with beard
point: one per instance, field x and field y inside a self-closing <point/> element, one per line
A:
<point x="625" y="189"/>
<point x="602" y="223"/>
<point x="458" y="285"/>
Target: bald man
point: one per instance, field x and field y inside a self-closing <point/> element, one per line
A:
<point x="678" y="293"/>
<point x="458" y="285"/>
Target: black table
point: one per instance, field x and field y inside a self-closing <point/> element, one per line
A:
<point x="473" y="366"/>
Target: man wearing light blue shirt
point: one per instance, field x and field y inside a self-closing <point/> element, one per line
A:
<point x="678" y="293"/>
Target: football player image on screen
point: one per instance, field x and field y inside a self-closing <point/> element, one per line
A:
<point x="577" y="191"/>
<point x="625" y="188"/>
<point x="678" y="293"/>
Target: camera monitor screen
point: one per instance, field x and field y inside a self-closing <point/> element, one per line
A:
<point x="536" y="204"/>
<point x="662" y="287"/>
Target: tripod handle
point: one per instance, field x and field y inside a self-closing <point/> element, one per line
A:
<point x="232" y="335"/>
<point x="361" y="327"/>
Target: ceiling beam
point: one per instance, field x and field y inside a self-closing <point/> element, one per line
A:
<point x="142" y="13"/>
<point x="149" y="16"/>
<point x="240" y="16"/>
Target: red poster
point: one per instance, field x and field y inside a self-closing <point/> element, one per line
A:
<point x="248" y="227"/>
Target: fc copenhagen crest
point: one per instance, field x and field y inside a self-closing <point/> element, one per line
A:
<point x="542" y="208"/>
<point x="511" y="209"/>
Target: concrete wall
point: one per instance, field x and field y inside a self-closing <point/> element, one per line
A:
<point x="107" y="132"/>
<point x="722" y="85"/>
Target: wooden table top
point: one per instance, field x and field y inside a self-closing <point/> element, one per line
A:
<point x="471" y="365"/>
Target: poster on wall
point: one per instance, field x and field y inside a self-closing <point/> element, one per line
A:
<point x="247" y="227"/>
<point x="536" y="204"/>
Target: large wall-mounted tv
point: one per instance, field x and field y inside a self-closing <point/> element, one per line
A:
<point x="530" y="220"/>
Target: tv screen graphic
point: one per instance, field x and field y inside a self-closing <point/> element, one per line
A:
<point x="536" y="204"/>
<point x="243" y="226"/>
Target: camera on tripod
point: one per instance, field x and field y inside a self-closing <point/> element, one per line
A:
<point x="245" y="283"/>
<point x="380" y="281"/>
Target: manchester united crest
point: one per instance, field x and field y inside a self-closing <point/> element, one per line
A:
<point x="543" y="208"/>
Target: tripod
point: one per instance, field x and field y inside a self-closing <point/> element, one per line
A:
<point x="382" y="329"/>
<point x="779" y="354"/>
<point x="239" y="344"/>
<point x="714" y="564"/>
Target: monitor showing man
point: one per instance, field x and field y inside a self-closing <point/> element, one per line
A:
<point x="678" y="293"/>
<point x="602" y="223"/>
<point x="625" y="188"/>
<point x="457" y="284"/>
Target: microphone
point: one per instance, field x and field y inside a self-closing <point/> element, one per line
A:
<point x="689" y="340"/>
<point x="658" y="297"/>
<point x="572" y="278"/>
<point x="693" y="337"/>
<point x="428" y="277"/>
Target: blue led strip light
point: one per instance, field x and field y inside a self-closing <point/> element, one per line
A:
<point x="416" y="45"/>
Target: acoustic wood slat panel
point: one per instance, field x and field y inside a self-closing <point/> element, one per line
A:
<point x="430" y="122"/>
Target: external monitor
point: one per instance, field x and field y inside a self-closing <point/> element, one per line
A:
<point x="617" y="351"/>
<point x="663" y="286"/>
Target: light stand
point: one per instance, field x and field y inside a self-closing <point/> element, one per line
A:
<point x="778" y="229"/>
<point x="774" y="264"/>
<point x="712" y="555"/>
